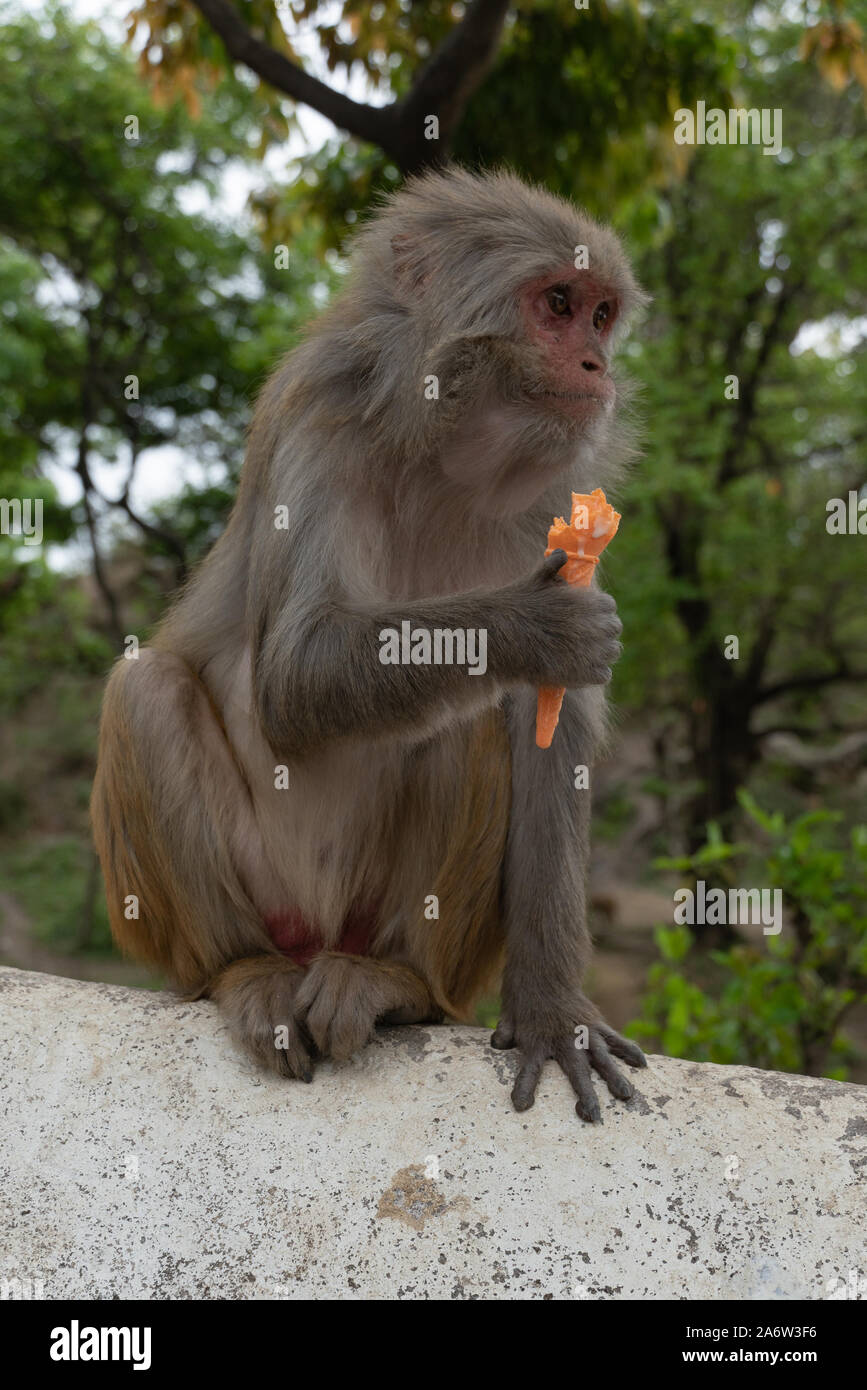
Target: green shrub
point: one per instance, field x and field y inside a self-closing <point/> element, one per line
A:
<point x="779" y="1004"/>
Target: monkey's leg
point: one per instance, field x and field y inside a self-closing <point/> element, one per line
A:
<point x="342" y="998"/>
<point x="176" y="836"/>
<point x="545" y="1012"/>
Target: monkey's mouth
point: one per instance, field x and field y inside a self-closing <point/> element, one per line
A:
<point x="533" y="394"/>
<point x="582" y="401"/>
<point x="571" y="396"/>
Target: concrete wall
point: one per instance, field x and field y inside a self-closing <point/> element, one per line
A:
<point x="141" y="1156"/>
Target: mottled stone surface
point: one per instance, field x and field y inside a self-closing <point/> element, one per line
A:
<point x="142" y="1156"/>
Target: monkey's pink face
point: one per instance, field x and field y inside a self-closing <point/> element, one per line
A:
<point x="570" y="318"/>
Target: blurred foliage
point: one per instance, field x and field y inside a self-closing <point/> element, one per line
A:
<point x="118" y="271"/>
<point x="46" y="629"/>
<point x="780" y="1004"/>
<point x="757" y="265"/>
<point x="836" y="46"/>
<point x="49" y="881"/>
<point x="580" y="101"/>
<point x="108" y="272"/>
<point x="181" y="58"/>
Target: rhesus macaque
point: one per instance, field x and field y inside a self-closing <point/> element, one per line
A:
<point x="404" y="465"/>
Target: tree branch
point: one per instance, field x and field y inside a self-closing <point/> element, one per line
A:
<point x="368" y="122"/>
<point x="814" y="681"/>
<point x="748" y="398"/>
<point x="99" y="572"/>
<point x="442" y="88"/>
<point x="155" y="533"/>
<point x="761" y="646"/>
<point x="454" y="70"/>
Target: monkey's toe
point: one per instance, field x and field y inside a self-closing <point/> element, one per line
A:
<point x="280" y="1050"/>
<point x="624" y="1048"/>
<point x="337" y="1005"/>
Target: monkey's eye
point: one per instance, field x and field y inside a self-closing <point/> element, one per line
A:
<point x="601" y="315"/>
<point x="558" y="301"/>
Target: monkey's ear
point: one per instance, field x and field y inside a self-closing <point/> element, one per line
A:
<point x="411" y="271"/>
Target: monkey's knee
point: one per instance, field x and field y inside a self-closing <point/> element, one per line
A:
<point x="155" y="692"/>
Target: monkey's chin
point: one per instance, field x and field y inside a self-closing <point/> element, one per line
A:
<point x="528" y="470"/>
<point x="505" y="455"/>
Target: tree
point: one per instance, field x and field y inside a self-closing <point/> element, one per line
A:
<point x="757" y="269"/>
<point x="254" y="36"/>
<point x="578" y="99"/>
<point x="131" y="321"/>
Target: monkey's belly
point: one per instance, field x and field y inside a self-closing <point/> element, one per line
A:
<point x="300" y="941"/>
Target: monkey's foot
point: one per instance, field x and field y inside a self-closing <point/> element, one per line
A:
<point x="257" y="998"/>
<point x="576" y="1049"/>
<point x="342" y="998"/>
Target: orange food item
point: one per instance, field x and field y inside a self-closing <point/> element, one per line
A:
<point x="592" y="524"/>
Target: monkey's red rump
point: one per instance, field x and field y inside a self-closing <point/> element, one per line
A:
<point x="300" y="941"/>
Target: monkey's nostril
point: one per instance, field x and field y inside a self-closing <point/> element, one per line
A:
<point x="589" y="365"/>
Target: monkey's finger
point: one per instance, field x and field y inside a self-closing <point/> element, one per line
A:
<point x="623" y="1048"/>
<point x="293" y="1060"/>
<point x="552" y="563"/>
<point x="503" y="1035"/>
<point x="576" y="1066"/>
<point x="602" y="1061"/>
<point x="352" y="1027"/>
<point x="318" y="1017"/>
<point x="524" y="1089"/>
<point x="314" y="1007"/>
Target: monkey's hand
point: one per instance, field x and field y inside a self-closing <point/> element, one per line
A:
<point x="571" y="634"/>
<point x="343" y="997"/>
<point x="580" y="1044"/>
<point x="257" y="997"/>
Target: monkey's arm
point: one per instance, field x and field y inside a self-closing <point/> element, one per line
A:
<point x="547" y="941"/>
<point x="318" y="673"/>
